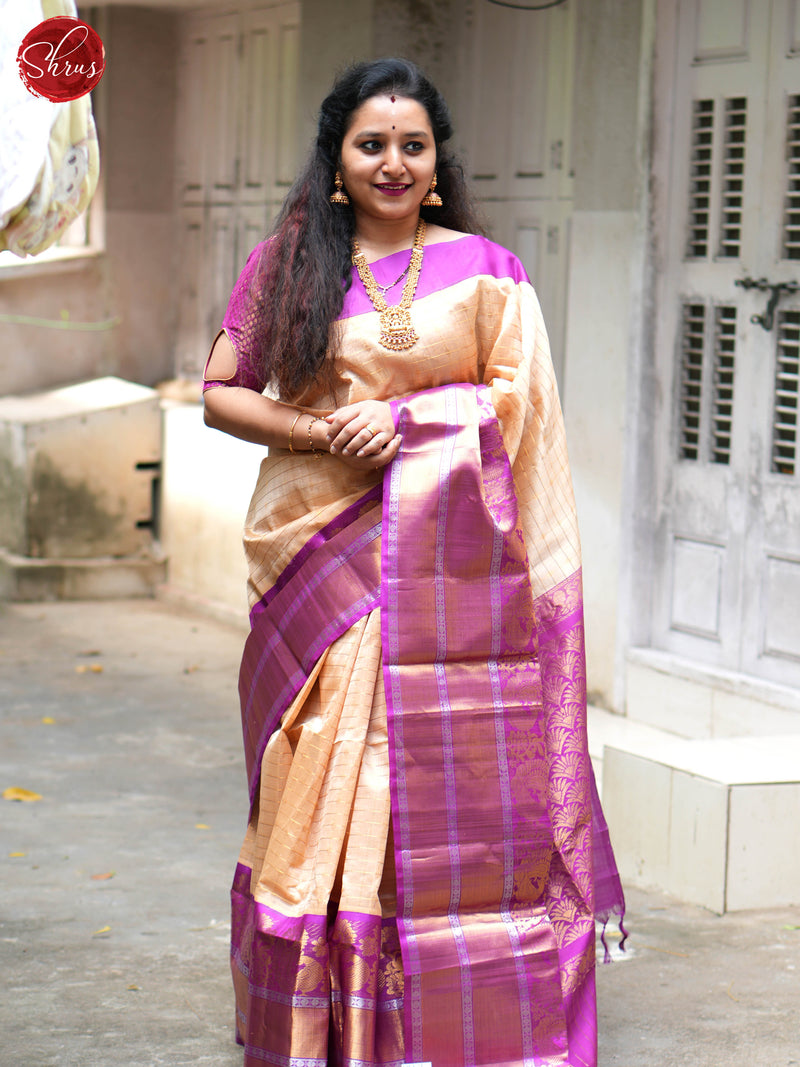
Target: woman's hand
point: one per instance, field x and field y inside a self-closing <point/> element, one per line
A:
<point x="362" y="435"/>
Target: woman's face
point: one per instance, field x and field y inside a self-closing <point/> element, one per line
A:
<point x="388" y="158"/>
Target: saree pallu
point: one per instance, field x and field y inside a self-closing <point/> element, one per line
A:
<point x="412" y="657"/>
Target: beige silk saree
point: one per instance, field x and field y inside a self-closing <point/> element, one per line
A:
<point x="426" y="854"/>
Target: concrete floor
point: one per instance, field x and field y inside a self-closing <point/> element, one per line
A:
<point x="114" y="888"/>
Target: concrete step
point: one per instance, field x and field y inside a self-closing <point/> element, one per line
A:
<point x="710" y="821"/>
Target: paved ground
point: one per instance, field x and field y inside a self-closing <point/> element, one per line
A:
<point x="113" y="892"/>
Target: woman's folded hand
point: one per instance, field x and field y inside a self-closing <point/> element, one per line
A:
<point x="363" y="434"/>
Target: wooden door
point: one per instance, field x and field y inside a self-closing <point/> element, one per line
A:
<point x="237" y="110"/>
<point x="516" y="94"/>
<point x="727" y="529"/>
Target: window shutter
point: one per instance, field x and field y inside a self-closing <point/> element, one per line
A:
<point x="722" y="384"/>
<point x="791" y="209"/>
<point x="705" y="393"/>
<point x="733" y="177"/>
<point x="700" y="178"/>
<point x="787" y="378"/>
<point x="691" y="381"/>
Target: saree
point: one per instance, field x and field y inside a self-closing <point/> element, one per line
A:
<point x="426" y="854"/>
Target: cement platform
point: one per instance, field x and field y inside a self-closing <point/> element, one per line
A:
<point x="123" y="717"/>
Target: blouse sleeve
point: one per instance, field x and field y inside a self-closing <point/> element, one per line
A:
<point x="240" y="323"/>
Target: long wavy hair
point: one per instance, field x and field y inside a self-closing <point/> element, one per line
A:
<point x="305" y="268"/>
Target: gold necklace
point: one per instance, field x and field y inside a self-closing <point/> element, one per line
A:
<point x="385" y="288"/>
<point x="397" y="330"/>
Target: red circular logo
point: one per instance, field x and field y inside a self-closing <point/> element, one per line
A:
<point x="61" y="59"/>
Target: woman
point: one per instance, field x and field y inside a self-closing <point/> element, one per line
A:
<point x="416" y="883"/>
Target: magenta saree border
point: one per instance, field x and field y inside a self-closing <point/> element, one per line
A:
<point x="454" y="949"/>
<point x="328" y="586"/>
<point x="343" y="520"/>
<point x="293" y="968"/>
<point x="476" y="256"/>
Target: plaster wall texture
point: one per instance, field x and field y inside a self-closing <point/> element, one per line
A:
<point x="607" y="87"/>
<point x="332" y="35"/>
<point x="607" y="338"/>
<point x="69" y="482"/>
<point x="208" y="481"/>
<point x="43" y="355"/>
<point x="335" y="35"/>
<point x="598" y="309"/>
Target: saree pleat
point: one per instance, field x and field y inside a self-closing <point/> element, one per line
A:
<point x="315" y="942"/>
<point x="426" y="851"/>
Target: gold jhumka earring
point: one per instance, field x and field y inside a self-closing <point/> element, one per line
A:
<point x="431" y="198"/>
<point x="339" y="197"/>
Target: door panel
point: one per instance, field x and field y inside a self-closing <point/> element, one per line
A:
<point x="728" y="540"/>
<point x="517" y="93"/>
<point x="236" y="151"/>
<point x="721" y="30"/>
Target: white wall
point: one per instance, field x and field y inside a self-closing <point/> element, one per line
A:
<point x="606" y="338"/>
<point x="208" y="481"/>
<point x="595" y="391"/>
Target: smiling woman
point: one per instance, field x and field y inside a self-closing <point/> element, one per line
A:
<point x="425" y="854"/>
<point x="388" y="161"/>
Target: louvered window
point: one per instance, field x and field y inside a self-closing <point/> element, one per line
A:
<point x="705" y="392"/>
<point x="791" y="207"/>
<point x="700" y="178"/>
<point x="691" y="381"/>
<point x="787" y="380"/>
<point x="730" y="239"/>
<point x="722" y="384"/>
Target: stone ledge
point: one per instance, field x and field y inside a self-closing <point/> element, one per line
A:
<point x="694" y="700"/>
<point x="705" y="820"/>
<point x="106" y="578"/>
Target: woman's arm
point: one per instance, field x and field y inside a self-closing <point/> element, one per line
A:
<point x="247" y="414"/>
<point x="253" y="417"/>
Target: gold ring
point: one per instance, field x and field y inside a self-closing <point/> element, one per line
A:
<point x="372" y="432"/>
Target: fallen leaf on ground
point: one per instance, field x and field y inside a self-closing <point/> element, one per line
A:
<point x="48" y="720"/>
<point x="16" y="855"/>
<point x="135" y="987"/>
<point x="190" y="670"/>
<point x="90" y="652"/>
<point x="93" y="668"/>
<point x="103" y="877"/>
<point x="15" y="792"/>
<point x="102" y="930"/>
<point x="201" y="826"/>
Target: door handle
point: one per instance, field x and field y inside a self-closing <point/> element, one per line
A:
<point x="775" y="290"/>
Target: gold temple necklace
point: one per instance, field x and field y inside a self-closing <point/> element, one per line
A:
<point x="397" y="330"/>
<point x="385" y="288"/>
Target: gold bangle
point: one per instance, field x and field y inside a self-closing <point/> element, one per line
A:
<point x="311" y="448"/>
<point x="291" y="430"/>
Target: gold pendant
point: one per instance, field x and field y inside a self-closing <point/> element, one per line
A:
<point x="397" y="330"/>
